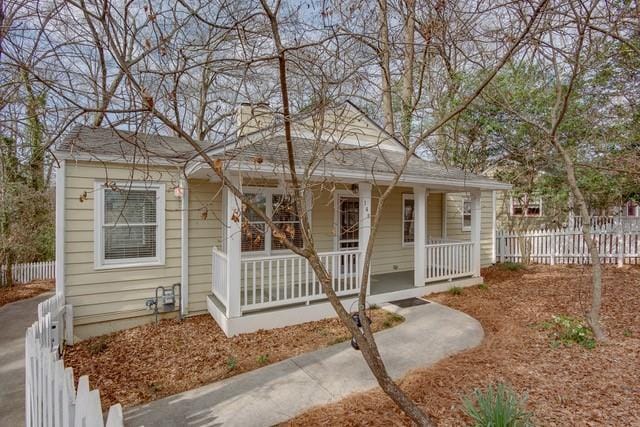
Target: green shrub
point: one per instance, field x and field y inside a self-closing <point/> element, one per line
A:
<point x="232" y="363"/>
<point x="511" y="266"/>
<point x="455" y="290"/>
<point x="263" y="359"/>
<point x="97" y="345"/>
<point x="497" y="406"/>
<point x="567" y="330"/>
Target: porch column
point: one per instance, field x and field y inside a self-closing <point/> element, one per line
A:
<point x="364" y="227"/>
<point x="233" y="209"/>
<point x="419" y="233"/>
<point x="475" y="230"/>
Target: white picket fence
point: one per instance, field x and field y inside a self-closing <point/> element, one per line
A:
<point x="51" y="399"/>
<point x="616" y="245"/>
<point x="25" y="273"/>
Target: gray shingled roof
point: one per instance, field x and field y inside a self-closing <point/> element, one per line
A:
<point x="108" y="143"/>
<point x="326" y="157"/>
<point x="329" y="157"/>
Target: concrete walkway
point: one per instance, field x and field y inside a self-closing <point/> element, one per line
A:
<point x="15" y="318"/>
<point x="278" y="392"/>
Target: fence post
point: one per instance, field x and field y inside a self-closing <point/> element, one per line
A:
<point x="502" y="245"/>
<point x="620" y="246"/>
<point x="553" y="247"/>
<point x="68" y="324"/>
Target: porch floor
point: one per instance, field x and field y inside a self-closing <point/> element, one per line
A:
<point x="391" y="282"/>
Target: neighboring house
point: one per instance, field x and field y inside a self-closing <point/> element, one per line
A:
<point x="521" y="212"/>
<point x="137" y="211"/>
<point x="527" y="212"/>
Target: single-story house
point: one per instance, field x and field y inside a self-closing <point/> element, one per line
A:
<point x="136" y="211"/>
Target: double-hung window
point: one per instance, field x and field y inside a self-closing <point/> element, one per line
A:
<point x="524" y="205"/>
<point x="129" y="225"/>
<point x="466" y="214"/>
<point x="257" y="237"/>
<point x="408" y="214"/>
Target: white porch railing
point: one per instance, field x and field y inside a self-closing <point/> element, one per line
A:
<point x="219" y="275"/>
<point x="448" y="260"/>
<point x="288" y="279"/>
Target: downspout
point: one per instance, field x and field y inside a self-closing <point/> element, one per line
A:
<point x="60" y="204"/>
<point x="493" y="227"/>
<point x="184" y="248"/>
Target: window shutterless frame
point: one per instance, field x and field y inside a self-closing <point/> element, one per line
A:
<point x="466" y="201"/>
<point x="406" y="222"/>
<point x="268" y="193"/>
<point x="100" y="262"/>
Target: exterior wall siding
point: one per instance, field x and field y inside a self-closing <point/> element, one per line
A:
<point x="110" y="299"/>
<point x="454" y="223"/>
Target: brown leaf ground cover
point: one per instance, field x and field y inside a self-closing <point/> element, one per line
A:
<point x="19" y="292"/>
<point x="566" y="386"/>
<point x="149" y="362"/>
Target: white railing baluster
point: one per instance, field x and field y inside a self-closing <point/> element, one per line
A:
<point x="291" y="272"/>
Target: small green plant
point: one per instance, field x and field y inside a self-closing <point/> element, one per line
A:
<point x="627" y="333"/>
<point x="392" y="319"/>
<point x="232" y="363"/>
<point x="455" y="290"/>
<point x="511" y="266"/>
<point x="97" y="346"/>
<point x="263" y="359"/>
<point x="567" y="330"/>
<point x="483" y="286"/>
<point x="497" y="406"/>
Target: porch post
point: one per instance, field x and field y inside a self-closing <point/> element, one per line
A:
<point x="364" y="228"/>
<point x="419" y="234"/>
<point x="233" y="209"/>
<point x="475" y="230"/>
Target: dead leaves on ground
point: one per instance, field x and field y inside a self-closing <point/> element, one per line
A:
<point x="153" y="361"/>
<point x="565" y="386"/>
<point x="20" y="292"/>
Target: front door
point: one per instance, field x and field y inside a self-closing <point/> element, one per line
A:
<point x="348" y="218"/>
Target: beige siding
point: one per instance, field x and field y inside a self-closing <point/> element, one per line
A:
<point x="119" y="293"/>
<point x="205" y="231"/>
<point x="454" y="223"/>
<point x="111" y="299"/>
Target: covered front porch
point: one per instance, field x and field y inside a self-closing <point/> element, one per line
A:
<point x="254" y="291"/>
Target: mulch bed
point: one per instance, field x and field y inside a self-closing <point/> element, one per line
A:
<point x="149" y="362"/>
<point x="19" y="292"/>
<point x="566" y="385"/>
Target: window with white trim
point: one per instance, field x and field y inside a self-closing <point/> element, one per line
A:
<point x="130" y="225"/>
<point x="256" y="235"/>
<point x="466" y="214"/>
<point x="524" y="205"/>
<point x="408" y="215"/>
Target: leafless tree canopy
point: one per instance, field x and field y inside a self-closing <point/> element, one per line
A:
<point x="181" y="68"/>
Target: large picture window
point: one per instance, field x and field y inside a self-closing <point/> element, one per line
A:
<point x="280" y="207"/>
<point x="408" y="213"/>
<point x="130" y="225"/>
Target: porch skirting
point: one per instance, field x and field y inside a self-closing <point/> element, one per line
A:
<point x="300" y="313"/>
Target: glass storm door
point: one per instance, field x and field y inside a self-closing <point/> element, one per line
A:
<point x="348" y="218"/>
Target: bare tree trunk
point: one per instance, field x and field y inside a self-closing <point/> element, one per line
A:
<point x="384" y="55"/>
<point x="407" y="75"/>
<point x="593" y="316"/>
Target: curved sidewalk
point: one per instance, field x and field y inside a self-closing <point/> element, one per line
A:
<point x="278" y="392"/>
